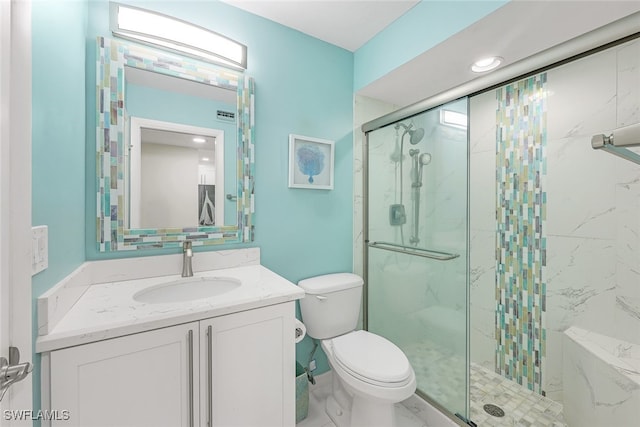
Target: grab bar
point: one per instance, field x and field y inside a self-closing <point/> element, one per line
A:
<point x="425" y="253"/>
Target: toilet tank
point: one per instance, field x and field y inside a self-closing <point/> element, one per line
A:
<point x="331" y="305"/>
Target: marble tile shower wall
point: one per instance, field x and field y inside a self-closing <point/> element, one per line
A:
<point x="627" y="194"/>
<point x="482" y="228"/>
<point x="593" y="210"/>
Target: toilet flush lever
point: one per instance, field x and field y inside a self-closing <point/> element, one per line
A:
<point x="321" y="297"/>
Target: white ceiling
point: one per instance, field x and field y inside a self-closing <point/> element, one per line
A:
<point x="345" y="23"/>
<point x="515" y="31"/>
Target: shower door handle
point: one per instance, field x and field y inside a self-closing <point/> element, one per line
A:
<point x="411" y="250"/>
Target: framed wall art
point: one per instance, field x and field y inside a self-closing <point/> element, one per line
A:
<point x="311" y="162"/>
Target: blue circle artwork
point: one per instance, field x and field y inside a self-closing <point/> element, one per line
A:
<point x="310" y="161"/>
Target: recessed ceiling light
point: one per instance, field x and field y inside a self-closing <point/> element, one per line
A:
<point x="199" y="140"/>
<point x="486" y="64"/>
<point x="205" y="159"/>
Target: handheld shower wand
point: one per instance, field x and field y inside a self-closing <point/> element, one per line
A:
<point x="425" y="159"/>
<point x="419" y="161"/>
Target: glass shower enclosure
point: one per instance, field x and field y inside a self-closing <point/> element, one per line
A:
<point x="416" y="247"/>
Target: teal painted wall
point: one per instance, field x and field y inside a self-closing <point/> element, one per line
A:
<point x="156" y="104"/>
<point x="58" y="142"/>
<point x="303" y="86"/>
<point x="151" y="103"/>
<point x="58" y="137"/>
<point x="421" y="28"/>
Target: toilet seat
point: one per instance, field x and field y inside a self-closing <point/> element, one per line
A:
<point x="372" y="359"/>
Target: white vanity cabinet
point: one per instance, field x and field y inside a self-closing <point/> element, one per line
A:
<point x="249" y="358"/>
<point x="236" y="370"/>
<point x="137" y="380"/>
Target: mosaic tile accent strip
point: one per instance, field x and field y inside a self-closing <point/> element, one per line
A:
<point x="110" y="139"/>
<point x="246" y="155"/>
<point x="521" y="139"/>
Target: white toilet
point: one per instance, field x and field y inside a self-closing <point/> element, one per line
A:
<point x="370" y="373"/>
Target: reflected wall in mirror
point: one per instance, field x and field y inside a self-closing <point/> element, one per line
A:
<point x="142" y="91"/>
<point x="174" y="172"/>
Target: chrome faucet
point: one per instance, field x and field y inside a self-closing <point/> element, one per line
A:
<point x="187" y="255"/>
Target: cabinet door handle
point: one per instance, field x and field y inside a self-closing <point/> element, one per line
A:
<point x="210" y="375"/>
<point x="190" y="368"/>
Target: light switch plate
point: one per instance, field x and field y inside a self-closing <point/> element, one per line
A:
<point x="39" y="248"/>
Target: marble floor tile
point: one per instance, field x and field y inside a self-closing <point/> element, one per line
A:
<point x="317" y="416"/>
<point x="522" y="407"/>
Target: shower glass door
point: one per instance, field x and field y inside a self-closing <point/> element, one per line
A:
<point x="417" y="245"/>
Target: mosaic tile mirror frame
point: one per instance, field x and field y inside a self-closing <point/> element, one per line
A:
<point x="112" y="233"/>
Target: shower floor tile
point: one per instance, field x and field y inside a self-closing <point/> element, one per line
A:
<point x="443" y="377"/>
<point x="522" y="407"/>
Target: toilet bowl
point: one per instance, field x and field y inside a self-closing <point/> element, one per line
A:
<point x="375" y="375"/>
<point x="370" y="373"/>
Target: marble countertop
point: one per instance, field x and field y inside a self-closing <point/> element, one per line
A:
<point x="108" y="310"/>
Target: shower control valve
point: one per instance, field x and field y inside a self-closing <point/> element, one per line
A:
<point x="397" y="214"/>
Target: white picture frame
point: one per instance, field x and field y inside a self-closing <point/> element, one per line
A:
<point x="311" y="162"/>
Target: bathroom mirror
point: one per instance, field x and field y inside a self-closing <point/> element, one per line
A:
<point x="144" y="94"/>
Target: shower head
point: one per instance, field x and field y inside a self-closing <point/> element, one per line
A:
<point x="415" y="135"/>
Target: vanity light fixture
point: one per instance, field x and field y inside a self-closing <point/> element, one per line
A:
<point x="182" y="37"/>
<point x="486" y="64"/>
<point x="199" y="140"/>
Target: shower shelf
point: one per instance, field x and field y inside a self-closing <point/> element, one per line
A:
<point x="410" y="250"/>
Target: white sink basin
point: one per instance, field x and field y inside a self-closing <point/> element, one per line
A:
<point x="187" y="289"/>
